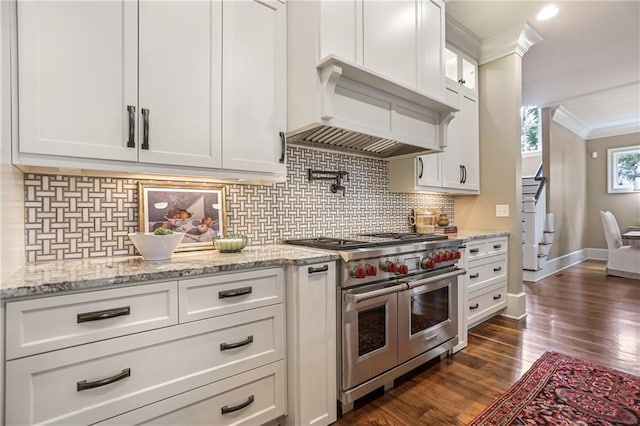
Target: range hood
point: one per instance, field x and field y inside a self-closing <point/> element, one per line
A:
<point x="354" y="110"/>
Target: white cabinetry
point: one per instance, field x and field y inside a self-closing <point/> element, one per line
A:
<point x="227" y="365"/>
<point x="138" y="87"/>
<point x="486" y="279"/>
<point x="462" y="69"/>
<point x="311" y="344"/>
<point x="456" y="170"/>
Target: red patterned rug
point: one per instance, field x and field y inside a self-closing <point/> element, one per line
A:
<point x="562" y="390"/>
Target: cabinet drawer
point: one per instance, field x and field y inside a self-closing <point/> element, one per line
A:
<point x="475" y="249"/>
<point x="262" y="390"/>
<point x="486" y="247"/>
<point x="223" y="294"/>
<point x="49" y="323"/>
<point x="160" y="363"/>
<point x="496" y="245"/>
<point x="486" y="302"/>
<point x="485" y="272"/>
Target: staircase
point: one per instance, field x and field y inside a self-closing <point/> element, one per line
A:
<point x="537" y="225"/>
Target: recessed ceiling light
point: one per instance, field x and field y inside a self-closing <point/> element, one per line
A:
<point x="547" y="12"/>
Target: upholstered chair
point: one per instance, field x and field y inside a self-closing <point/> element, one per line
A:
<point x="623" y="261"/>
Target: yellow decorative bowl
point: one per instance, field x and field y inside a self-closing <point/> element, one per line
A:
<point x="230" y="243"/>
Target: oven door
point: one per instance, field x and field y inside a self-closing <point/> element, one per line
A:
<point x="427" y="314"/>
<point x="369" y="325"/>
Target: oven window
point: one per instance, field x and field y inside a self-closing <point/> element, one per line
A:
<point x="428" y="309"/>
<point x="372" y="330"/>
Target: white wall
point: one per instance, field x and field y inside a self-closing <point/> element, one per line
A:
<point x="12" y="250"/>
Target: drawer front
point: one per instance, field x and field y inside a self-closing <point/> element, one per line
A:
<point x="223" y="294"/>
<point x="250" y="398"/>
<point x="496" y="245"/>
<point x="80" y="318"/>
<point x="485" y="272"/>
<point x="475" y="249"/>
<point x="487" y="302"/>
<point x="142" y="368"/>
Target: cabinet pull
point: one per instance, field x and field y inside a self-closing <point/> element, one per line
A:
<point x="475" y="250"/>
<point x="131" y="143"/>
<point x="464" y="174"/>
<point x="283" y="144"/>
<point x="498" y="269"/>
<point x="145" y="128"/>
<point x="497" y="246"/>
<point x="460" y="174"/>
<point x="476" y="275"/>
<point x="84" y="385"/>
<point x="421" y="167"/>
<point x="100" y="315"/>
<point x="313" y="270"/>
<point x="245" y="342"/>
<point x="226" y="409"/>
<point x="234" y="292"/>
<point x="476" y="306"/>
<point x="498" y="297"/>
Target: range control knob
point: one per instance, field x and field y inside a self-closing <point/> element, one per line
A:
<point x="371" y="270"/>
<point x="437" y="257"/>
<point x="448" y="255"/>
<point x="457" y="255"/>
<point x="403" y="269"/>
<point x="389" y="266"/>
<point x="428" y="263"/>
<point x="358" y="272"/>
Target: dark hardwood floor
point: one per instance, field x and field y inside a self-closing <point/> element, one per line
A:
<point x="579" y="311"/>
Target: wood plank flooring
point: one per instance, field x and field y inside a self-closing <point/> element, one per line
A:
<point x="579" y="311"/>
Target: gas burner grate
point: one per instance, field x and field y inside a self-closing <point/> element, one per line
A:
<point x="406" y="236"/>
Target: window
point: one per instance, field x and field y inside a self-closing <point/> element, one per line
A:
<point x="530" y="138"/>
<point x="623" y="168"/>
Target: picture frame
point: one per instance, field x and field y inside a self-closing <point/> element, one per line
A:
<point x="198" y="210"/>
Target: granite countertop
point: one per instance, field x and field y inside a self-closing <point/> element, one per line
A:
<point x="40" y="278"/>
<point x="468" y="235"/>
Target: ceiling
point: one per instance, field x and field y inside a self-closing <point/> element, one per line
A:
<point x="588" y="61"/>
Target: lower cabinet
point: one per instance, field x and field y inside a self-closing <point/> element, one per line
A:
<point x="221" y="361"/>
<point x="311" y="344"/>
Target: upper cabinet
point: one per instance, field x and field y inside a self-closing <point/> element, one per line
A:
<point x="461" y="68"/>
<point x="149" y="87"/>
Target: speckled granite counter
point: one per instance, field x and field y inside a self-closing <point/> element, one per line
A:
<point x="476" y="235"/>
<point x="40" y="278"/>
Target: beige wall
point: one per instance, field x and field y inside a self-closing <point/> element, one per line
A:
<point x="500" y="85"/>
<point x="566" y="186"/>
<point x="12" y="252"/>
<point x="530" y="164"/>
<point x="625" y="207"/>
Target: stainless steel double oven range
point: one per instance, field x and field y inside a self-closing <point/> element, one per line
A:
<point x="397" y="306"/>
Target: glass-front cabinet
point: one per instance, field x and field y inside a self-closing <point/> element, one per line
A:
<point x="461" y="68"/>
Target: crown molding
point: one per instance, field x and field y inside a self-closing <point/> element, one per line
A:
<point x="564" y="118"/>
<point x="462" y="38"/>
<point x="615" y="130"/>
<point x="516" y="40"/>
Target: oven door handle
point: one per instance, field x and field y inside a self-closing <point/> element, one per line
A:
<point x="435" y="278"/>
<point x="355" y="298"/>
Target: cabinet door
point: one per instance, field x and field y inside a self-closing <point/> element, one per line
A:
<point x="254" y="85"/>
<point x="429" y="169"/>
<point x="431" y="48"/>
<point x="180" y="83"/>
<point x="341" y="30"/>
<point x="451" y="166"/>
<point x="469" y="141"/>
<point x="77" y="73"/>
<point x="390" y="39"/>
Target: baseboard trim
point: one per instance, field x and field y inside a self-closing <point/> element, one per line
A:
<point x="516" y="306"/>
<point x="555" y="265"/>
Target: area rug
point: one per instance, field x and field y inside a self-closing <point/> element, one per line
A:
<point x="562" y="390"/>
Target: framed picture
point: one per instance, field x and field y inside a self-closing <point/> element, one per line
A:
<point x="198" y="210"/>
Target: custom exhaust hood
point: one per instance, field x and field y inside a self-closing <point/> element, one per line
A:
<point x="351" y="109"/>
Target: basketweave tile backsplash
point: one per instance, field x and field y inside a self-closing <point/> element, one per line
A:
<point x="69" y="217"/>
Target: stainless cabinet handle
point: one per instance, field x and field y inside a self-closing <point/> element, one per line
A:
<point x="131" y="143"/>
<point x="227" y="346"/>
<point x="476" y="306"/>
<point x="498" y="269"/>
<point x="100" y="315"/>
<point x="313" y="270"/>
<point x="226" y="409"/>
<point x="234" y="292"/>
<point x="283" y="143"/>
<point x="475" y="250"/>
<point x="498" y="297"/>
<point x="145" y="128"/>
<point x="84" y="385"/>
<point x="473" y="276"/>
<point x="421" y="168"/>
<point x="497" y="246"/>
